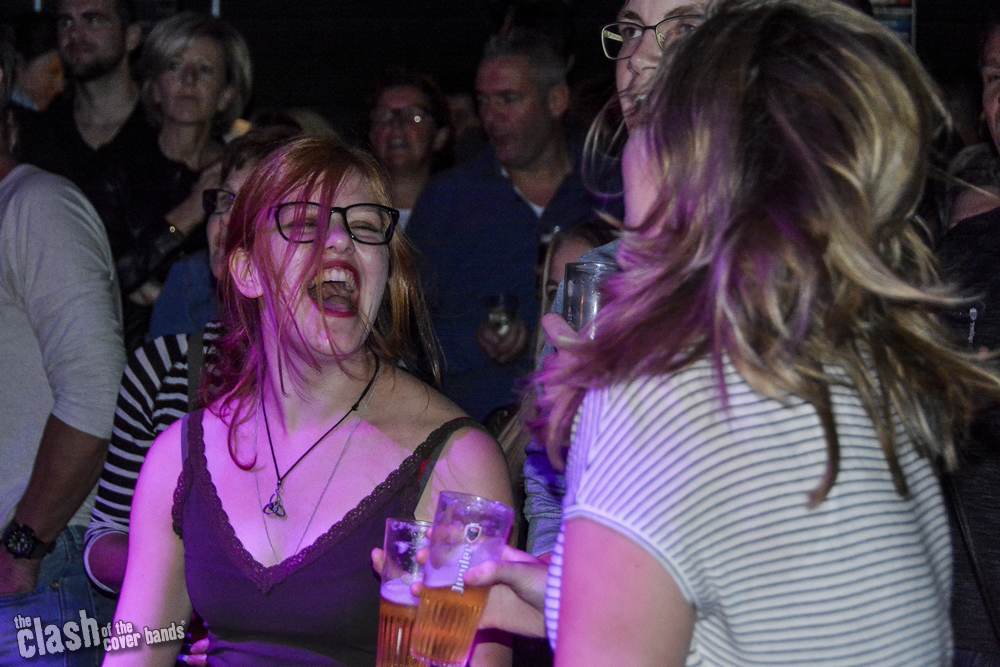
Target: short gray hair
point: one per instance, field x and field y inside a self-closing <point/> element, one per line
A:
<point x="548" y="65"/>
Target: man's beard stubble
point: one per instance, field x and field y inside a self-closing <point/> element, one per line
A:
<point x="96" y="68"/>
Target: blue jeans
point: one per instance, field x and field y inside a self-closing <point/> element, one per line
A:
<point x="58" y="623"/>
<point x="976" y="659"/>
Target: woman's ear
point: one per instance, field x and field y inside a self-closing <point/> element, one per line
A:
<point x="245" y="275"/>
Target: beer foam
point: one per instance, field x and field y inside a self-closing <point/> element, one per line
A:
<point x="398" y="592"/>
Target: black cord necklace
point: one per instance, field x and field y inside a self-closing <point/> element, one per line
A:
<point x="275" y="507"/>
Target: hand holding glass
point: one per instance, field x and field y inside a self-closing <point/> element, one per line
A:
<point x="468" y="530"/>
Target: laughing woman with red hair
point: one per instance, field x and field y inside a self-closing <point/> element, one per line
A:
<point x="261" y="510"/>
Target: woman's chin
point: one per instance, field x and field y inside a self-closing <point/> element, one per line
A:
<point x="337" y="343"/>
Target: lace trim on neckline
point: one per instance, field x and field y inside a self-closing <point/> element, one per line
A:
<point x="265" y="577"/>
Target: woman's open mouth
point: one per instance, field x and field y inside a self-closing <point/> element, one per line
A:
<point x="336" y="291"/>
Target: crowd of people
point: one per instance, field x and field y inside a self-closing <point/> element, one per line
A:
<point x="236" y="344"/>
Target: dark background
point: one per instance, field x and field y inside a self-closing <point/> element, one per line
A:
<point x="328" y="54"/>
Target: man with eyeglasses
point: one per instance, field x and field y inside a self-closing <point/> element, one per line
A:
<point x="61" y="358"/>
<point x="479" y="224"/>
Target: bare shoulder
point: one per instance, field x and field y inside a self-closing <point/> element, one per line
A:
<point x="471" y="446"/>
<point x="414" y="405"/>
<point x="163" y="459"/>
<point x="470" y="462"/>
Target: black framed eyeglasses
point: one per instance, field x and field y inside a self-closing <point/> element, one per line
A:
<point x="302" y="222"/>
<point x="621" y="39"/>
<point x="216" y="200"/>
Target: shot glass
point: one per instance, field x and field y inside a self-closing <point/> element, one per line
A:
<point x="501" y="312"/>
<point x="468" y="530"/>
<point x="397" y="609"/>
<point x="583" y="292"/>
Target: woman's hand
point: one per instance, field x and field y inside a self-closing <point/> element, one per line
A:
<point x="199" y="653"/>
<point x="558" y="332"/>
<point x="189" y="213"/>
<point x="517" y="597"/>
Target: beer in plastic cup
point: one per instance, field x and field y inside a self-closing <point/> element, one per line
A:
<point x="397" y="609"/>
<point x="468" y="530"/>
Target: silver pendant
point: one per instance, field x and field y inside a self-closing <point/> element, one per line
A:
<point x="275" y="507"/>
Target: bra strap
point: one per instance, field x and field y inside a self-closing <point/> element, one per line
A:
<point x="438" y="439"/>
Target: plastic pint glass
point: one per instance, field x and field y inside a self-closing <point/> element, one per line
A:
<point x="398" y="607"/>
<point x="584" y="292"/>
<point x="468" y="530"/>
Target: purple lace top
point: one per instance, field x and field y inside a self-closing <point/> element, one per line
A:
<point x="318" y="607"/>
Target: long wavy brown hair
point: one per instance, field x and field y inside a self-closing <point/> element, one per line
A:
<point x="314" y="168"/>
<point x="790" y="140"/>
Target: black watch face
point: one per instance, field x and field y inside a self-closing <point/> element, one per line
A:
<point x="20" y="541"/>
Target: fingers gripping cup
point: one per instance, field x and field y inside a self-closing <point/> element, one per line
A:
<point x="468" y="530"/>
<point x="398" y="607"/>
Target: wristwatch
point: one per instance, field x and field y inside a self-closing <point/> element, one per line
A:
<point x="20" y="541"/>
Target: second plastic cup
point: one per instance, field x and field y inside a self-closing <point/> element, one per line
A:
<point x="468" y="530"/>
<point x="398" y="607"/>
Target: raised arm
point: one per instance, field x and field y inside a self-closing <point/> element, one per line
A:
<point x="162" y="238"/>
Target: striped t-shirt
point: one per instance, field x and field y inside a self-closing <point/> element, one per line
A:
<point x="719" y="498"/>
<point x="154" y="394"/>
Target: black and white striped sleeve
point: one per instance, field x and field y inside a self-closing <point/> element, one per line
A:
<point x="152" y="396"/>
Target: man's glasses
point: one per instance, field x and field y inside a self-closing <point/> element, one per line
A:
<point x="305" y="222"/>
<point x="216" y="200"/>
<point x="404" y="116"/>
<point x="621" y="40"/>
